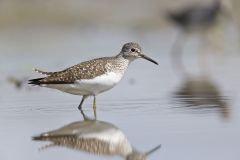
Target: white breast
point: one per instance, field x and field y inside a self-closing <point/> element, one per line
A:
<point x="101" y="83"/>
<point x="90" y="86"/>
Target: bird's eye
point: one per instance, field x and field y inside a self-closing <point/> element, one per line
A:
<point x="133" y="50"/>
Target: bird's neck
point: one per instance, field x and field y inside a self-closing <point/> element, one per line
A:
<point x="124" y="58"/>
<point x="119" y="64"/>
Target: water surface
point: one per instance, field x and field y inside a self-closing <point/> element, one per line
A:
<point x="142" y="105"/>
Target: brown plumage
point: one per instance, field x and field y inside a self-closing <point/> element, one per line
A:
<point x="85" y="70"/>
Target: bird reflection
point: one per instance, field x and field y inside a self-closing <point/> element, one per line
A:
<point x="93" y="136"/>
<point x="202" y="95"/>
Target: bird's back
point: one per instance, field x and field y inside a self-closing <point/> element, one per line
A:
<point x="85" y="70"/>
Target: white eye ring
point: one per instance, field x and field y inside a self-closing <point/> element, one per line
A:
<point x="133" y="50"/>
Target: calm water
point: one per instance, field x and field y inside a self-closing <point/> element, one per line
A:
<point x="152" y="105"/>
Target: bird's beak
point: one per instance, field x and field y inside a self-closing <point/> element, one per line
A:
<point x="147" y="58"/>
<point x="153" y="150"/>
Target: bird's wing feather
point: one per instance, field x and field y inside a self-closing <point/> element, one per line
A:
<point x="85" y="70"/>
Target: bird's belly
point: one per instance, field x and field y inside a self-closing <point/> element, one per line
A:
<point x="91" y="86"/>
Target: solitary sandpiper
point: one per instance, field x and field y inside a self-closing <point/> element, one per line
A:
<point x="94" y="76"/>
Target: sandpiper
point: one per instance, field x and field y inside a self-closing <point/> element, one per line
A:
<point x="197" y="18"/>
<point x="92" y="77"/>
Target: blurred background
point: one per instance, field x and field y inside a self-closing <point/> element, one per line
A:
<point x="189" y="103"/>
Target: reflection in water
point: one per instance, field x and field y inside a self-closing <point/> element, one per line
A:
<point x="202" y="95"/>
<point x="93" y="136"/>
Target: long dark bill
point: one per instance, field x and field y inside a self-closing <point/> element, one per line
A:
<point x="153" y="150"/>
<point x="149" y="59"/>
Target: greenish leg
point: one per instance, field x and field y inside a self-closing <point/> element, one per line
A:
<point x="94" y="107"/>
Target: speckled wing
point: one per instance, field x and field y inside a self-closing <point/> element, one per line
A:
<point x="85" y="70"/>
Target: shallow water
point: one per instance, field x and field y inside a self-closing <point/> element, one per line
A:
<point x="142" y="105"/>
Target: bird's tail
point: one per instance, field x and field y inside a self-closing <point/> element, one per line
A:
<point x="36" y="81"/>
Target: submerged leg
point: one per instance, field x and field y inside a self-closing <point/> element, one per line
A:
<point x="94" y="107"/>
<point x="80" y="105"/>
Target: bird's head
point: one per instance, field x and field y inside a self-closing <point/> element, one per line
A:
<point x="132" y="51"/>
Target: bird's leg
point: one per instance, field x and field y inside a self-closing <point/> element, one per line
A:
<point x="204" y="52"/>
<point x="80" y="105"/>
<point x="84" y="116"/>
<point x="94" y="107"/>
<point x="176" y="53"/>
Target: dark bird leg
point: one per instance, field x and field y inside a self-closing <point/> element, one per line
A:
<point x="81" y="103"/>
